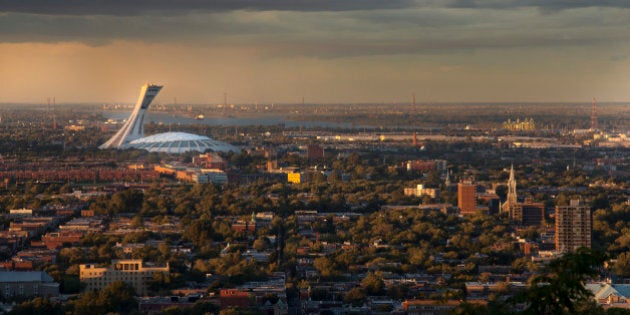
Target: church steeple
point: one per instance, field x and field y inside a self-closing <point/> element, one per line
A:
<point x="511" y="194"/>
<point x="447" y="181"/>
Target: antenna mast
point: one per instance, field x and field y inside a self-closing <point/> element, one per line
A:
<point x="594" y="115"/>
<point x="54" y="114"/>
<point x="413" y="98"/>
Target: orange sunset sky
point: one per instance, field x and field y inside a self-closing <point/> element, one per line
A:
<point x="325" y="51"/>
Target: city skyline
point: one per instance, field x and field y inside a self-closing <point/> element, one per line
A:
<point x="322" y="51"/>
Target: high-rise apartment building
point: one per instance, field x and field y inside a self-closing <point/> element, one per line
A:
<point x="466" y="197"/>
<point x="573" y="227"/>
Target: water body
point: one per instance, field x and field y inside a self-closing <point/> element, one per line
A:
<point x="164" y="118"/>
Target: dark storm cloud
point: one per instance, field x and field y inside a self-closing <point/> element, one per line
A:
<point x="98" y="30"/>
<point x="138" y="7"/>
<point x="544" y="5"/>
<point x="320" y="28"/>
<point x="433" y="46"/>
<point x="174" y="7"/>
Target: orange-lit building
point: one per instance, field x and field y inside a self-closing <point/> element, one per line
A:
<point x="235" y="297"/>
<point x="466" y="197"/>
<point x="210" y="160"/>
<point x="314" y="152"/>
<point x="56" y="240"/>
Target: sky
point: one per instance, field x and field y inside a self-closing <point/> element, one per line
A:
<point x="325" y="51"/>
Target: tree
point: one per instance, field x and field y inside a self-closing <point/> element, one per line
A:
<point x="88" y="304"/>
<point x="356" y="296"/>
<point x="398" y="291"/>
<point x="199" y="232"/>
<point x="559" y="289"/>
<point x="471" y="309"/>
<point x="38" y="306"/>
<point x="373" y="283"/>
<point x="117" y="297"/>
<point x="325" y="267"/>
<point x="622" y="264"/>
<point x="501" y="191"/>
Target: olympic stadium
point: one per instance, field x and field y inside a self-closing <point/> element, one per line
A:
<point x="131" y="134"/>
<point x="179" y="142"/>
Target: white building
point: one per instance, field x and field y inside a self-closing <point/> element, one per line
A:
<point x="420" y="191"/>
<point x="21" y="212"/>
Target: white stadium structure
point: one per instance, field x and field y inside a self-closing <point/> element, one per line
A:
<point x="179" y="142"/>
<point x="131" y="134"/>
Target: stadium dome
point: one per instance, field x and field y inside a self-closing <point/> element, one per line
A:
<point x="179" y="142"/>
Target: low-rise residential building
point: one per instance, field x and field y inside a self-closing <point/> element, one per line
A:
<point x="433" y="307"/>
<point x="85" y="224"/>
<point x="154" y="305"/>
<point x="16" y="213"/>
<point x="207" y="175"/>
<point x="235" y="298"/>
<point x="420" y="191"/>
<point x="610" y="295"/>
<point x="56" y="240"/>
<point x="481" y="290"/>
<point x="27" y="284"/>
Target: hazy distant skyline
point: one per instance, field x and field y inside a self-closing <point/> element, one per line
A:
<point x="327" y="51"/>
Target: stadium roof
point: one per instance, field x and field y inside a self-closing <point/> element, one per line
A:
<point x="180" y="142"/>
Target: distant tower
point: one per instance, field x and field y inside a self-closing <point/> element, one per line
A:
<point x="134" y="127"/>
<point x="47" y="109"/>
<point x="594" y="115"/>
<point x="447" y="180"/>
<point x="54" y="114"/>
<point x="413" y="103"/>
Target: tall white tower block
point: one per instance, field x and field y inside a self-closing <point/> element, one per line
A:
<point x="134" y="127"/>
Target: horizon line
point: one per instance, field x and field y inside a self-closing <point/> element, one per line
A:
<point x="402" y="103"/>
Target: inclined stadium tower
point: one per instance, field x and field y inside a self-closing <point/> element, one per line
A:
<point x="134" y="127"/>
<point x="131" y="135"/>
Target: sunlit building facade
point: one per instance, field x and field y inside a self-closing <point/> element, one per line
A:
<point x="466" y="197"/>
<point x="131" y="271"/>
